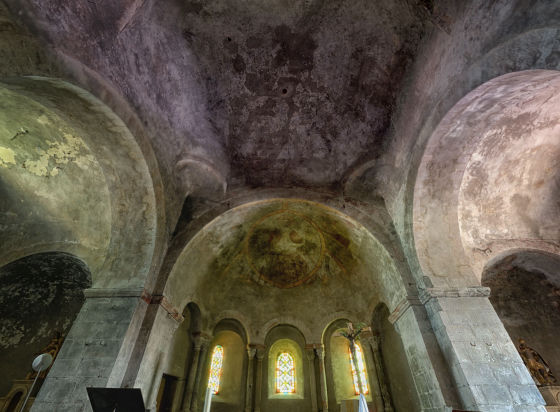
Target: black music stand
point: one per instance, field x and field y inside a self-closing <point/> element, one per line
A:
<point x="116" y="399"/>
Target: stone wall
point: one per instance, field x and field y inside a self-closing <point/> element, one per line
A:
<point x="88" y="354"/>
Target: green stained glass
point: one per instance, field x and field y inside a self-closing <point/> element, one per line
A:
<point x="216" y="369"/>
<point x="361" y="368"/>
<point x="285" y="374"/>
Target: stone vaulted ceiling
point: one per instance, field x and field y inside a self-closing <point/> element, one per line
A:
<point x="303" y="90"/>
<point x="265" y="93"/>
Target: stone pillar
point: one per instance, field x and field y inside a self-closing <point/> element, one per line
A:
<point x="251" y="351"/>
<point x="372" y="374"/>
<point x="199" y="373"/>
<point x="430" y="372"/>
<point x="91" y="349"/>
<point x="381" y="384"/>
<point x="310" y="352"/>
<point x="258" y="384"/>
<point x="188" y="394"/>
<point x="320" y="350"/>
<point x="487" y="370"/>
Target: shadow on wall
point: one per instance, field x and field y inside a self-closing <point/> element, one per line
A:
<point x="40" y="295"/>
<point x="525" y="292"/>
<point x="394" y="363"/>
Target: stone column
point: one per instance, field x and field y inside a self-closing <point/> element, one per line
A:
<point x="487" y="370"/>
<point x="320" y="350"/>
<point x="381" y="381"/>
<point x="199" y="373"/>
<point x="310" y="352"/>
<point x="187" y="397"/>
<point x="258" y="385"/>
<point x="251" y="351"/>
<point x="91" y="349"/>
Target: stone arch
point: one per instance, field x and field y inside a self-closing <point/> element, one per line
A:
<point x="339" y="376"/>
<point x="40" y="295"/>
<point x="533" y="46"/>
<point x="374" y="217"/>
<point x="231" y="335"/>
<point x="285" y="338"/>
<point x="235" y="321"/>
<point x="460" y="222"/>
<point x="73" y="184"/>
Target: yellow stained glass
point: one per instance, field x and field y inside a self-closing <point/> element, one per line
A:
<point x="361" y="368"/>
<point x="285" y="374"/>
<point x="216" y="369"/>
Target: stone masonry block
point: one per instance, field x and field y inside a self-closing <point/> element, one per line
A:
<point x="101" y="348"/>
<point x="71" y="349"/>
<point x="504" y="373"/>
<point x="80" y="392"/>
<point x="479" y="373"/>
<point x="497" y="394"/>
<point x="468" y="394"/>
<point x="529" y="408"/>
<point x="64" y="367"/>
<point x="526" y="395"/>
<point x="523" y="375"/>
<point x="55" y="389"/>
<point x="95" y="368"/>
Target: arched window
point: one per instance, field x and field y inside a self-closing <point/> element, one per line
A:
<point x="285" y="374"/>
<point x="361" y="370"/>
<point x="216" y="369"/>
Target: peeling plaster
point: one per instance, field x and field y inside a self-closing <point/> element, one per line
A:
<point x="7" y="155"/>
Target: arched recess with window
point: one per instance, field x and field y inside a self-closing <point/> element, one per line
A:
<point x="281" y="340"/>
<point x="174" y="370"/>
<point x="230" y="335"/>
<point x="340" y="382"/>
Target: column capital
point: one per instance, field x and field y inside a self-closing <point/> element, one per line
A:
<point x="320" y="351"/>
<point x="374" y="342"/>
<point x="310" y="352"/>
<point x="200" y="340"/>
<point x="260" y="351"/>
<point x="251" y="351"/>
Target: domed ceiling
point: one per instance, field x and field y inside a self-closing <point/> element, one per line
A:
<point x="302" y="89"/>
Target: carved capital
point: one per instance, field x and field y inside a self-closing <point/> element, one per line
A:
<point x="320" y="351"/>
<point x="251" y="351"/>
<point x="201" y="340"/>
<point x="310" y="352"/>
<point x="374" y="342"/>
<point x="260" y="351"/>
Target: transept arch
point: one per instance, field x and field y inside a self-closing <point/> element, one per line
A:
<point x="461" y="216"/>
<point x="72" y="183"/>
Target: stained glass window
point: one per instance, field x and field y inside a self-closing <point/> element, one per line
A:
<point x="361" y="368"/>
<point x="285" y="374"/>
<point x="216" y="369"/>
